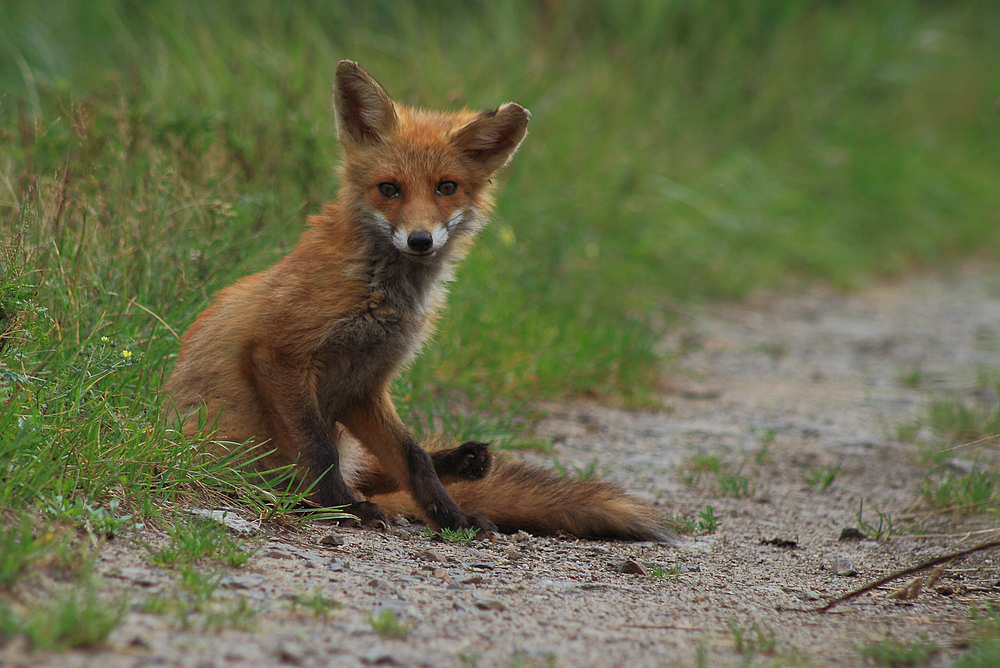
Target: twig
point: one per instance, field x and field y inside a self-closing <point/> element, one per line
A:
<point x="901" y="574"/>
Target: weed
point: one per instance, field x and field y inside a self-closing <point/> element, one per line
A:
<point x="657" y="571"/>
<point x="387" y="625"/>
<point x="972" y="493"/>
<point x="953" y="418"/>
<point x="735" y="484"/>
<point x="823" y="476"/>
<point x="19" y="549"/>
<point x="318" y="605"/>
<point x="883" y="531"/>
<point x="194" y="538"/>
<point x="692" y="469"/>
<point x="896" y="654"/>
<point x="754" y="640"/>
<point x="708" y="522"/>
<point x="74" y="618"/>
<point x="586" y="472"/>
<point x="763" y="453"/>
<point x="466" y="536"/>
<point x="239" y="613"/>
<point x="912" y="379"/>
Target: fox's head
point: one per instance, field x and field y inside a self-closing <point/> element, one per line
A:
<point x="420" y="178"/>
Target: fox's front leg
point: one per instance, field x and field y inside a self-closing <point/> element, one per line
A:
<point x="376" y="424"/>
<point x="298" y="430"/>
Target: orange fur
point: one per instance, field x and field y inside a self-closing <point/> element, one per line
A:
<point x="298" y="359"/>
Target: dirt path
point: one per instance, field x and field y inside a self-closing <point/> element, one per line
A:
<point x="777" y="391"/>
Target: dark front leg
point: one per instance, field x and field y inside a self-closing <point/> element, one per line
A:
<point x="469" y="461"/>
<point x="298" y="430"/>
<point x="376" y="425"/>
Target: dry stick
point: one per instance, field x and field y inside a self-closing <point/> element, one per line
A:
<point x="901" y="574"/>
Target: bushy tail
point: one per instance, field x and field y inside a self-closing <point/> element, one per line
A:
<point x="519" y="496"/>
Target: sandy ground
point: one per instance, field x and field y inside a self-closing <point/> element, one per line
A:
<point x="776" y="390"/>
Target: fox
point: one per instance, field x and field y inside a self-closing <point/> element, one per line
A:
<point x="298" y="360"/>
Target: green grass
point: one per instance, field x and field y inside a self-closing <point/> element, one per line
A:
<point x="152" y="153"/>
<point x="896" y="654"/>
<point x="194" y="539"/>
<point x="72" y="618"/>
<point x="387" y="624"/>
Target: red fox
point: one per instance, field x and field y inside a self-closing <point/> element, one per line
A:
<point x="299" y="358"/>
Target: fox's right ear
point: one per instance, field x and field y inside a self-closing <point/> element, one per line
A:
<point x="365" y="113"/>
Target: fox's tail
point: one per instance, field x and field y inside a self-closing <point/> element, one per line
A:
<point x="519" y="496"/>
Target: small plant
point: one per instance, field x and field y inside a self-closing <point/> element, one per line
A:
<point x="387" y="625"/>
<point x="823" y="476"/>
<point x="19" y="548"/>
<point x="880" y="532"/>
<point x="763" y="454"/>
<point x="697" y="465"/>
<point x="318" y="605"/>
<point x="587" y="472"/>
<point x="465" y="536"/>
<point x="657" y="571"/>
<point x="193" y="539"/>
<point x="972" y="493"/>
<point x="238" y="614"/>
<point x="912" y="379"/>
<point x="756" y="639"/>
<point x="77" y="618"/>
<point x="735" y="484"/>
<point x="708" y="522"/>
<point x="956" y="420"/>
<point x="896" y="654"/>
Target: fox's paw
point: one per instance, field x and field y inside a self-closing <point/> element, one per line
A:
<point x="469" y="461"/>
<point x="368" y="515"/>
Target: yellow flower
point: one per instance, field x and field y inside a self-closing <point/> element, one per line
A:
<point x="126" y="354"/>
<point x="104" y="339"/>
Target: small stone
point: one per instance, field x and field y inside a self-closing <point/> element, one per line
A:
<point x="483" y="566"/>
<point x="473" y="580"/>
<point x="338" y="566"/>
<point x="140" y="642"/>
<point x="844" y="568"/>
<point x="333" y="539"/>
<point x="276" y="554"/>
<point x="632" y="567"/>
<point x="289" y="652"/>
<point x="429" y="555"/>
<point x="490" y="604"/>
<point x="851" y="533"/>
<point x="442" y="574"/>
<point x="400" y="521"/>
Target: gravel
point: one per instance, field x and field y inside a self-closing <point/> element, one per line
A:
<point x="775" y="389"/>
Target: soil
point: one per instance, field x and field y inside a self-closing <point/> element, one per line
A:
<point x="779" y="391"/>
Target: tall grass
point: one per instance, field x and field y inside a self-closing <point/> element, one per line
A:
<point x="150" y="153"/>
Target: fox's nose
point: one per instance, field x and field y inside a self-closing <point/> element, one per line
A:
<point x="420" y="242"/>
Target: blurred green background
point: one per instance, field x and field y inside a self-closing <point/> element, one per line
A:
<point x="153" y="152"/>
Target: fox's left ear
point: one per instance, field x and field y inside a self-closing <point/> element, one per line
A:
<point x="492" y="137"/>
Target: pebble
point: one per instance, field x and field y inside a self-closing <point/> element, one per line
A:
<point x="851" y="533"/>
<point x="334" y="539"/>
<point x="844" y="568"/>
<point x="633" y="567"/>
<point x="490" y="604"/>
<point x="429" y="555"/>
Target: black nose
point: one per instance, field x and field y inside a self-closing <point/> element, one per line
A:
<point x="421" y="242"/>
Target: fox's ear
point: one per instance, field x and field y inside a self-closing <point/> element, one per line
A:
<point x="365" y="113"/>
<point x="492" y="137"/>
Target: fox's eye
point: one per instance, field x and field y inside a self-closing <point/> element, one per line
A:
<point x="388" y="190"/>
<point x="446" y="188"/>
